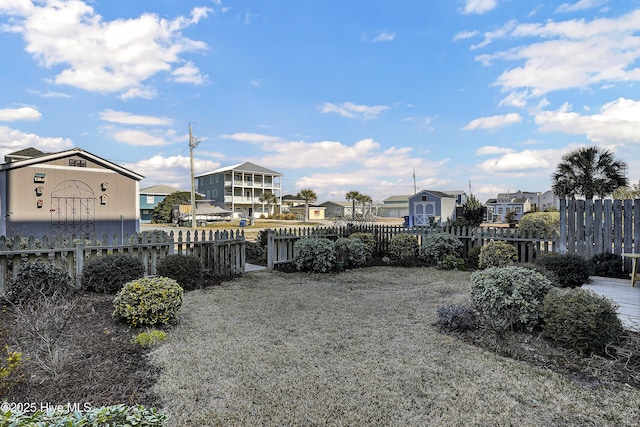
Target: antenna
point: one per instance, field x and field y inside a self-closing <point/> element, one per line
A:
<point x="193" y="143"/>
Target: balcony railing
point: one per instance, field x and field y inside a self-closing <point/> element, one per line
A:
<point x="254" y="184"/>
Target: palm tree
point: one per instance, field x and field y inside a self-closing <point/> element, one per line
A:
<point x="309" y="196"/>
<point x="268" y="199"/>
<point x="364" y="199"/>
<point x="589" y="172"/>
<point x="354" y="196"/>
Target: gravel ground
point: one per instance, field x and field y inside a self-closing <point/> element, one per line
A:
<point x="356" y="348"/>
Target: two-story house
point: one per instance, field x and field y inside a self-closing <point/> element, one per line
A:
<point x="497" y="208"/>
<point x="239" y="188"/>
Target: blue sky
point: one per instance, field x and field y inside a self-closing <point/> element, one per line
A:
<point x="338" y="95"/>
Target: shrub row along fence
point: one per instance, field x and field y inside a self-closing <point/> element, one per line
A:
<point x="222" y="252"/>
<point x="280" y="242"/>
<point x="589" y="227"/>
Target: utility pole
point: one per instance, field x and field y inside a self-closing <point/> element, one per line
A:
<point x="192" y="144"/>
<point x="415" y="190"/>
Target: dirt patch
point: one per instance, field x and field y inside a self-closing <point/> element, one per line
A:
<point x="92" y="360"/>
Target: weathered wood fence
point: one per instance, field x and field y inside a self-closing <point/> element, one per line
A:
<point x="589" y="227"/>
<point x="280" y="242"/>
<point x="222" y="252"/>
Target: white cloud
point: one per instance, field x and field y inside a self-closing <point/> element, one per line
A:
<point x="173" y="170"/>
<point x="351" y="110"/>
<point x="580" y="5"/>
<point x="513" y="162"/>
<point x="516" y="99"/>
<point x="422" y="122"/>
<point x="493" y="122"/>
<point x="384" y="36"/>
<point x="339" y="167"/>
<point x="18" y="140"/>
<point x="142" y="91"/>
<point x="568" y="54"/>
<point x="140" y="137"/>
<point x="462" y="35"/>
<point x="22" y="113"/>
<point x="132" y="119"/>
<point x="492" y="149"/>
<point x="111" y="56"/>
<point x="617" y="121"/>
<point x="189" y="73"/>
<point x="478" y="6"/>
<point x="253" y="138"/>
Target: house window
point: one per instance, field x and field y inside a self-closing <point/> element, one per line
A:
<point x="423" y="198"/>
<point x="215" y="193"/>
<point x="211" y="179"/>
<point x="150" y="200"/>
<point x="216" y="179"/>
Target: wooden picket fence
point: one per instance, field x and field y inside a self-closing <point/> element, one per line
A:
<point x="589" y="227"/>
<point x="222" y="252"/>
<point x="280" y="242"/>
<point x="586" y="228"/>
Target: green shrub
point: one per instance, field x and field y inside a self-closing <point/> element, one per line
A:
<point x="509" y="297"/>
<point x="435" y="247"/>
<point x="571" y="270"/>
<point x="116" y="415"/>
<point x="580" y="320"/>
<point x="351" y="251"/>
<point x="108" y="273"/>
<point x="545" y="224"/>
<point x="314" y="254"/>
<point x="187" y="270"/>
<point x="607" y="264"/>
<point x="473" y="257"/>
<point x="149" y="301"/>
<point x="497" y="253"/>
<point x="255" y="253"/>
<point x="38" y="279"/>
<point x="150" y="338"/>
<point x="404" y="249"/>
<point x="456" y="318"/>
<point x="369" y="243"/>
<point x="451" y="262"/>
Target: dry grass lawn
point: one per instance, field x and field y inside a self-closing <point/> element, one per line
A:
<point x="356" y="348"/>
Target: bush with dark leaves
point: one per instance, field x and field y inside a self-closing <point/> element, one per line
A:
<point x="607" y="264"/>
<point x="38" y="279"/>
<point x="580" y="320"/>
<point x="107" y="274"/>
<point x="571" y="271"/>
<point x="456" y="318"/>
<point x="187" y="270"/>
